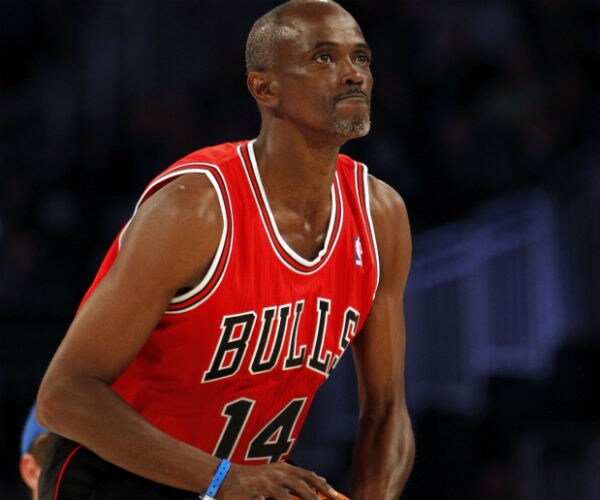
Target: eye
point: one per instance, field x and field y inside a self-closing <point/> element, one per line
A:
<point x="362" y="59"/>
<point x="323" y="57"/>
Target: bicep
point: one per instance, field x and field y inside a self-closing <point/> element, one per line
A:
<point x="380" y="347"/>
<point x="167" y="245"/>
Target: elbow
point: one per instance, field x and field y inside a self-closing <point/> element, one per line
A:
<point x="377" y="412"/>
<point x="50" y="402"/>
<point x="44" y="405"/>
<point x="406" y="439"/>
<point x="391" y="421"/>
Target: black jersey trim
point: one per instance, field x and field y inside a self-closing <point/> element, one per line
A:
<point x="285" y="254"/>
<point x="364" y="196"/>
<point x="192" y="298"/>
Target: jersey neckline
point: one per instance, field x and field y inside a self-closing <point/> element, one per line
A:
<point x="285" y="253"/>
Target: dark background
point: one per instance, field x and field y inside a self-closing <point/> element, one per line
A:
<point x="486" y="118"/>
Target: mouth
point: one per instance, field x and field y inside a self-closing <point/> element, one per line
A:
<point x="357" y="97"/>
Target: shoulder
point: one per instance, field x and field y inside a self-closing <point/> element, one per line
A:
<point x="208" y="161"/>
<point x="174" y="234"/>
<point x="190" y="198"/>
<point x="218" y="154"/>
<point x="386" y="205"/>
<point x="185" y="187"/>
<point x="384" y="200"/>
<point x="392" y="228"/>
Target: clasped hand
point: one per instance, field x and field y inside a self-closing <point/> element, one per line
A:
<point x="277" y="481"/>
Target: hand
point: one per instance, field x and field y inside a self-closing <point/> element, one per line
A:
<point x="277" y="481"/>
<point x="321" y="496"/>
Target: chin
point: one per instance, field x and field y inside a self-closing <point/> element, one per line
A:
<point x="352" y="128"/>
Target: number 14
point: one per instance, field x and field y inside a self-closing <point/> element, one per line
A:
<point x="271" y="442"/>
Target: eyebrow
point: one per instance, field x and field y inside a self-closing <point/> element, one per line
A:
<point x="361" y="45"/>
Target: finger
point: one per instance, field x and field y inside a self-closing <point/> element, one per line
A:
<point x="320" y="484"/>
<point x="284" y="494"/>
<point x="303" y="492"/>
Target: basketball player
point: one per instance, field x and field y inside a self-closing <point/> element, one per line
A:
<point x="34" y="443"/>
<point x="245" y="272"/>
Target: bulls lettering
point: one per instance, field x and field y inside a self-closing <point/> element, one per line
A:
<point x="274" y="339"/>
<point x="294" y="358"/>
<point x="258" y="363"/>
<point x="236" y="347"/>
<point x="317" y="360"/>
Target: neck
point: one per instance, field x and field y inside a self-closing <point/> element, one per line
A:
<point x="296" y="170"/>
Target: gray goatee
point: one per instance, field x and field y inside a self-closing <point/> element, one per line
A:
<point x="351" y="127"/>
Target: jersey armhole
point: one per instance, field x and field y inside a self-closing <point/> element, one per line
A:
<point x="364" y="195"/>
<point x="190" y="298"/>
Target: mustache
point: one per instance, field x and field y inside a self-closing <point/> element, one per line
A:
<point x="353" y="92"/>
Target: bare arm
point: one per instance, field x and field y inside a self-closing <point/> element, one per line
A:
<point x="168" y="245"/>
<point x="155" y="260"/>
<point x="384" y="450"/>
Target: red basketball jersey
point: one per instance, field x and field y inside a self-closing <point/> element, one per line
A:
<point x="233" y="365"/>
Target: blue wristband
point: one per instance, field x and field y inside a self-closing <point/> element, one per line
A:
<point x="217" y="480"/>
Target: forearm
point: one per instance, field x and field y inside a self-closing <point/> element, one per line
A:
<point x="89" y="412"/>
<point x="383" y="456"/>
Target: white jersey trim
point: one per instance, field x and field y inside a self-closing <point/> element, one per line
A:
<point x="365" y="174"/>
<point x="328" y="245"/>
<point x="226" y="222"/>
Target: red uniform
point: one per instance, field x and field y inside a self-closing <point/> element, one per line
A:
<point x="233" y="364"/>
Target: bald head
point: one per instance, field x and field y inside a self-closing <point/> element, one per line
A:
<point x="262" y="46"/>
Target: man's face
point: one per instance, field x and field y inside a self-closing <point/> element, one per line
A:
<point x="324" y="72"/>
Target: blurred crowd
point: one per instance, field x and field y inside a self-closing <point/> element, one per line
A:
<point x="473" y="99"/>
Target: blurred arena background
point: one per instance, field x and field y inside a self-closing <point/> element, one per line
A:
<point x="486" y="119"/>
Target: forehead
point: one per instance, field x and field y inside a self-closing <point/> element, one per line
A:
<point x="309" y="24"/>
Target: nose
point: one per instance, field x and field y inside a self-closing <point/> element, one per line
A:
<point x="351" y="73"/>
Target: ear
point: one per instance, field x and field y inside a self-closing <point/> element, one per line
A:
<point x="30" y="470"/>
<point x="264" y="88"/>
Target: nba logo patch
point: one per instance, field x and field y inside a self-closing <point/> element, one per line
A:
<point x="358" y="252"/>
